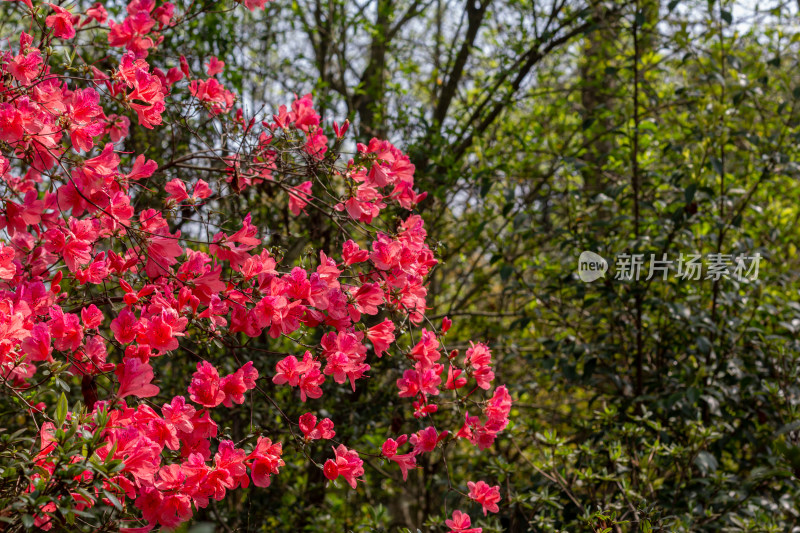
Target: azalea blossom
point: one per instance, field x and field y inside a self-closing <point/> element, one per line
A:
<point x="117" y="267"/>
<point x="485" y="495"/>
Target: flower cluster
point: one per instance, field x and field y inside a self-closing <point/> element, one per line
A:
<point x="98" y="286"/>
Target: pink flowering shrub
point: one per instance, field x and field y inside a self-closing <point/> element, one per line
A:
<point x="101" y="298"/>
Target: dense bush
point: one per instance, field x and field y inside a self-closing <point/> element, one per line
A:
<point x="148" y="371"/>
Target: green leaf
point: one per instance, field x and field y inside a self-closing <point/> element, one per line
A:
<point x="688" y="194"/>
<point x="716" y="164"/>
<point x="61" y="410"/>
<point x="113" y="499"/>
<point x="486" y="185"/>
<point x="706" y="462"/>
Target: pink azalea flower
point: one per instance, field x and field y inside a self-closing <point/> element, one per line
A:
<point x="214" y="66"/>
<point x="299" y="197"/>
<point x="205" y="386"/>
<point x="346" y="464"/>
<point x="381" y="336"/>
<point x="265" y="460"/>
<point x="314" y="431"/>
<point x="135" y="379"/>
<point x="485" y="495"/>
<point x="61" y="22"/>
<point x="460" y="523"/>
